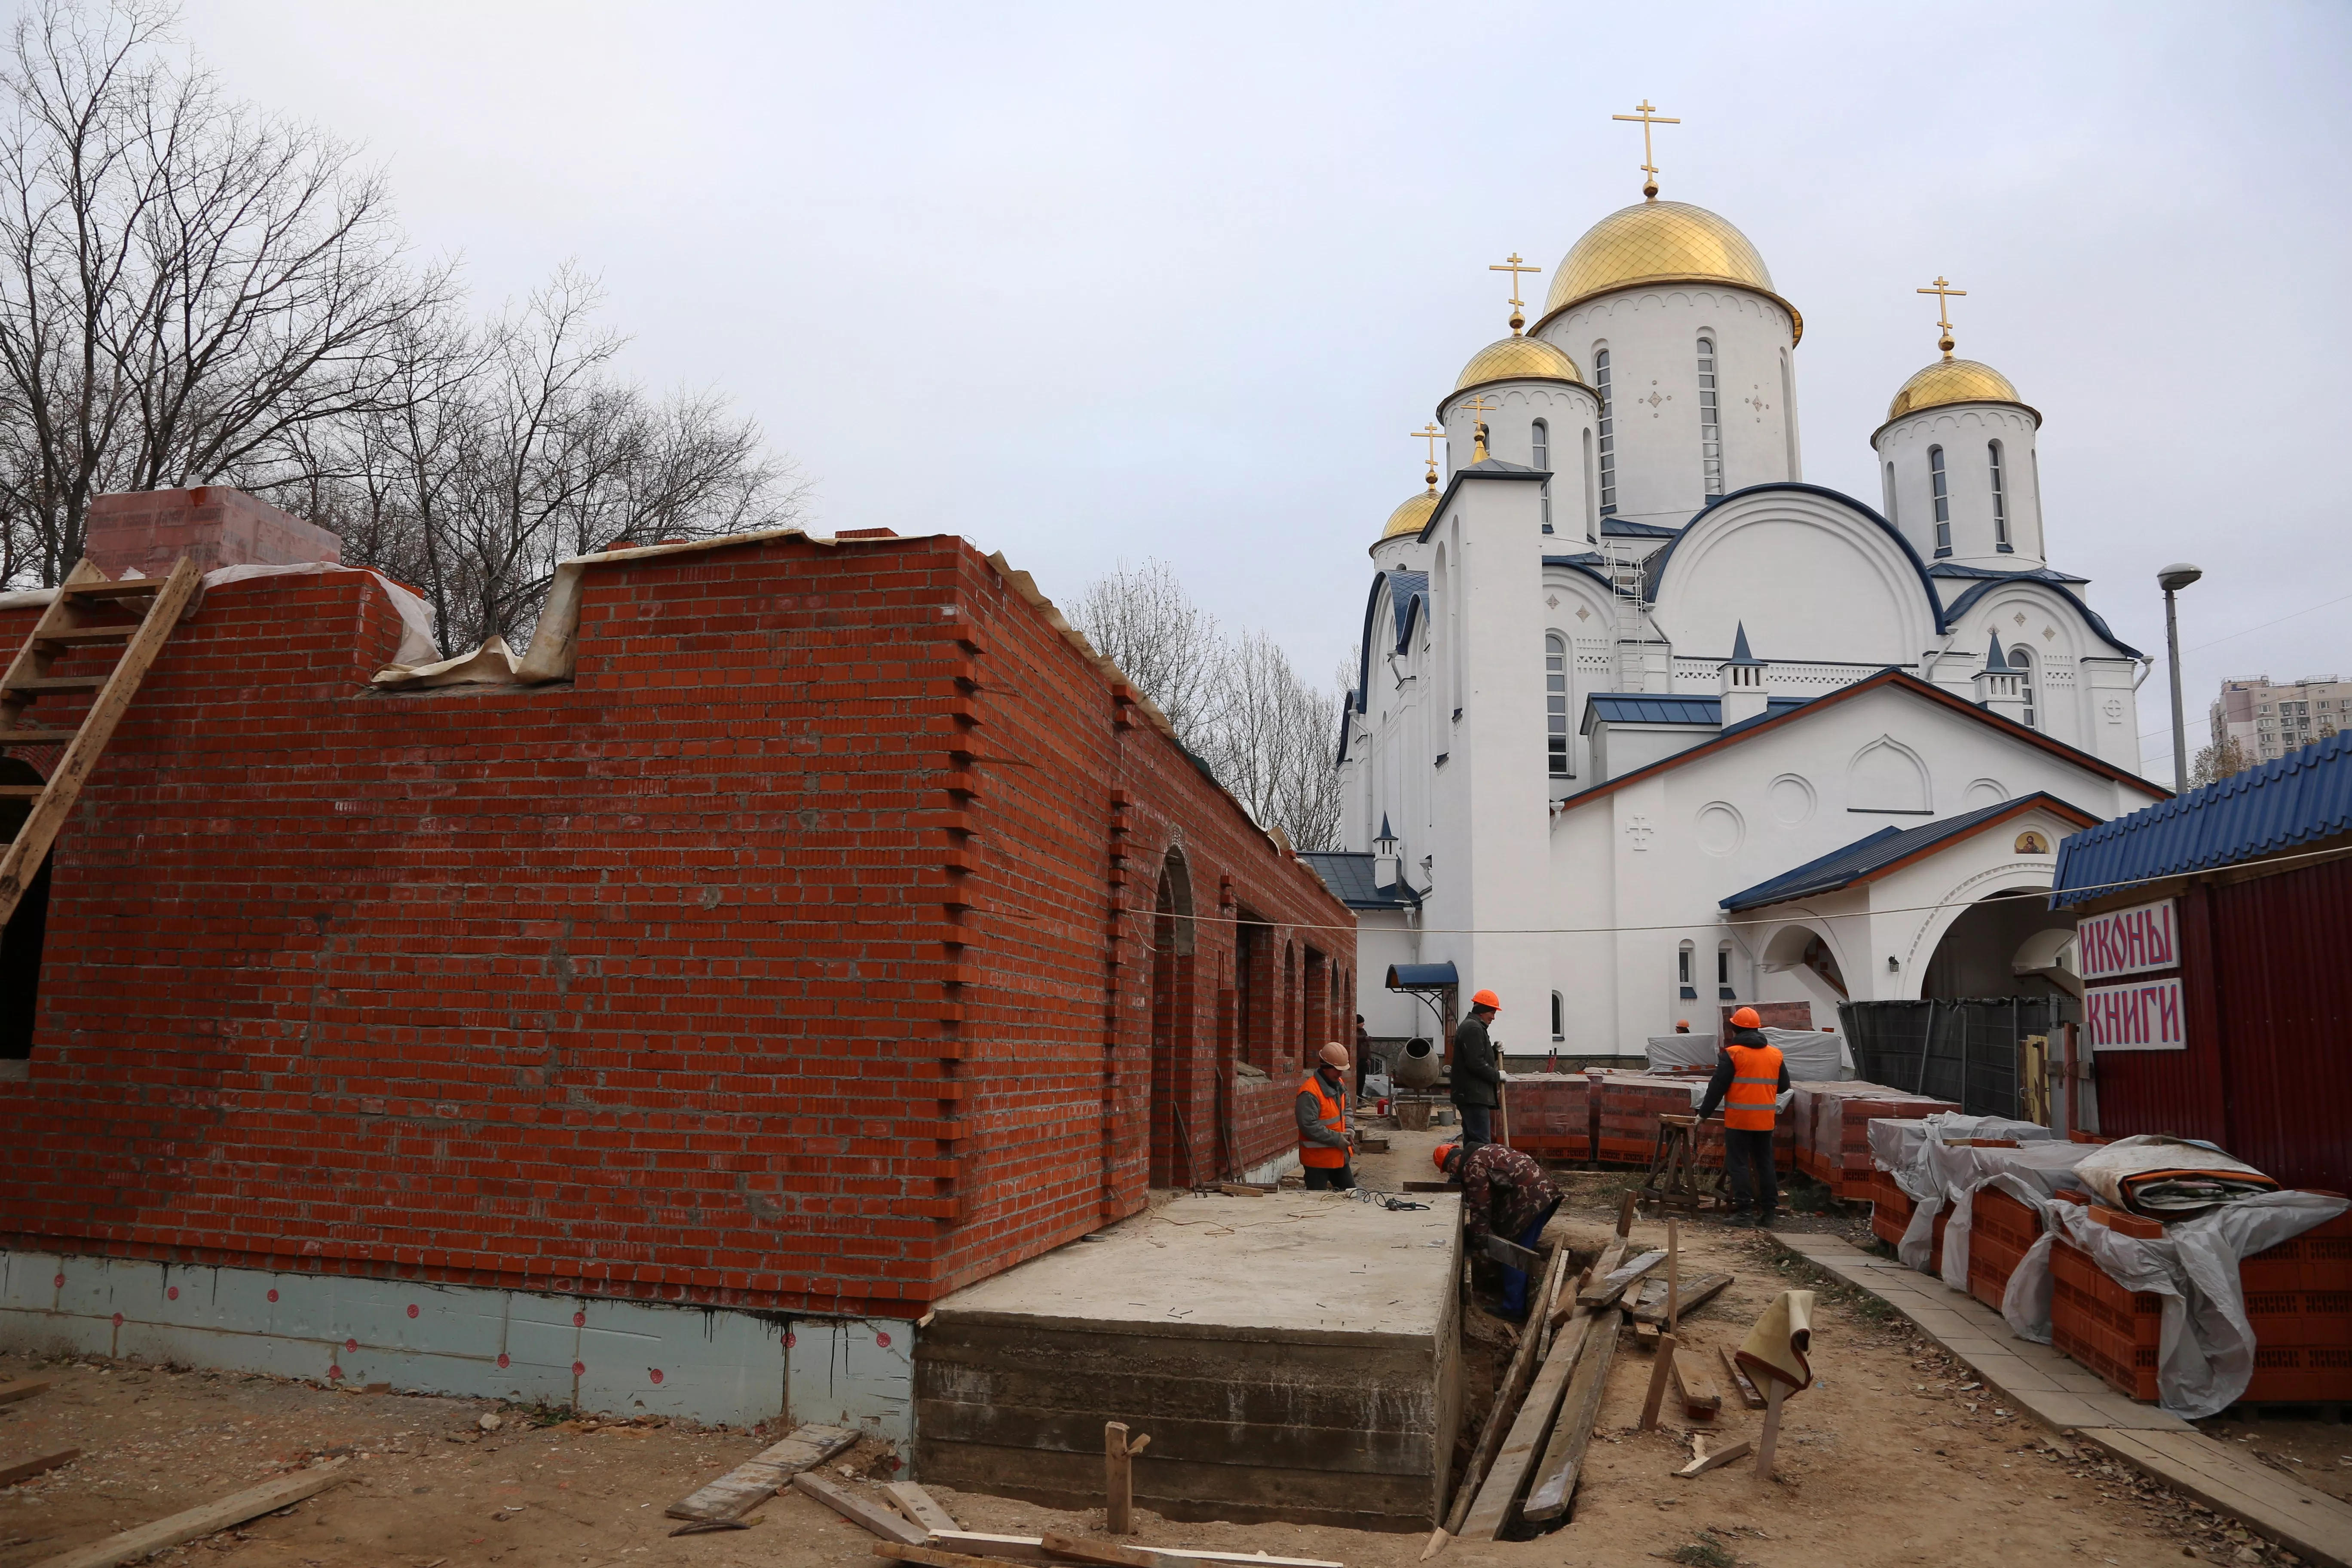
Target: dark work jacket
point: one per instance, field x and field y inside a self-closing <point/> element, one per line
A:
<point x="1477" y="1077"/>
<point x="1719" y="1084"/>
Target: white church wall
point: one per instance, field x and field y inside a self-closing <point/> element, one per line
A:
<point x="1383" y="938"/>
<point x="1620" y="749"/>
<point x="1965" y="432"/>
<point x="1652" y="336"/>
<point x="1808" y="577"/>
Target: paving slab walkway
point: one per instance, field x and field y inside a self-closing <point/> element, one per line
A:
<point x="2038" y="1380"/>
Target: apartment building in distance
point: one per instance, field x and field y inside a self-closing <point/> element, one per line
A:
<point x="2269" y="720"/>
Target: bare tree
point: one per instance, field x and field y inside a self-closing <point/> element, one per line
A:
<point x="1143" y="620"/>
<point x="186" y="288"/>
<point x="2217" y="762"/>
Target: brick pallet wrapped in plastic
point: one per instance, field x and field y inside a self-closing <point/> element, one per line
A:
<point x="2000" y="1229"/>
<point x="1832" y="1125"/>
<point x="1890" y="1216"/>
<point x="1551" y="1114"/>
<point x="1626" y="1108"/>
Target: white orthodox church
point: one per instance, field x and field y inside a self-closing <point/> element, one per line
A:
<point x="1646" y="726"/>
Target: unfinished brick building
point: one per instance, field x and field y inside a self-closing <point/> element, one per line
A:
<point x="805" y="927"/>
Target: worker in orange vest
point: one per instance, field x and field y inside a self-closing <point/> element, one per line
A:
<point x="1749" y="1078"/>
<point x="1324" y="1141"/>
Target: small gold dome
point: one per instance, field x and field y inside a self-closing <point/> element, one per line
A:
<point x="1659" y="242"/>
<point x="1517" y="358"/>
<point x="1412" y="517"/>
<point x="1953" y="381"/>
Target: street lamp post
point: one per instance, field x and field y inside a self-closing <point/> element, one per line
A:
<point x="2172" y="579"/>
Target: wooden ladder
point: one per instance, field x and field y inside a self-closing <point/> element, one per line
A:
<point x="76" y="619"/>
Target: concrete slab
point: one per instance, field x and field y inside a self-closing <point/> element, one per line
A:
<point x="1292" y="1357"/>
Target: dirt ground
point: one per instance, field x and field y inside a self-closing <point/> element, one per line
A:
<point x="1893" y="1458"/>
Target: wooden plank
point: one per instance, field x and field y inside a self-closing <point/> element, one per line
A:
<point x="983" y="1544"/>
<point x="2308" y="1522"/>
<point x="197" y="1522"/>
<point x="1695" y="1385"/>
<point x="41" y="683"/>
<point x="89" y="636"/>
<point x="1119" y="1477"/>
<point x="36" y="735"/>
<point x="31" y="847"/>
<point x="1511" y="1254"/>
<point x="763" y="1476"/>
<point x="920" y="1507"/>
<point x="980" y="1544"/>
<point x="1555" y="1477"/>
<point x="1604" y="1291"/>
<point x="1500" y="1417"/>
<point x="1696" y="1294"/>
<point x="11" y="1474"/>
<point x="1080" y="1549"/>
<point x="1661" y="1372"/>
<point x="1739" y="1381"/>
<point x="1705" y="1462"/>
<point x="1769" y="1444"/>
<point x="22" y="1388"/>
<point x="929" y="1556"/>
<point x="1499" y="1494"/>
<point x="857" y="1511"/>
<point x="1241" y="1190"/>
<point x="119" y="588"/>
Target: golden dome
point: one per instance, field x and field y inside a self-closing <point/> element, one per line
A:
<point x="1516" y="358"/>
<point x="1659" y="242"/>
<point x="1412" y="517"/>
<point x="1954" y="380"/>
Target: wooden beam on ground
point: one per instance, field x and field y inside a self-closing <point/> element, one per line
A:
<point x="1500" y="1419"/>
<point x="1696" y="1294"/>
<point x="981" y="1544"/>
<point x="930" y="1556"/>
<point x="1511" y="1254"/>
<point x="11" y="1474"/>
<point x="1747" y="1390"/>
<point x="1604" y="1291"/>
<point x="1554" y="1475"/>
<point x="1110" y="1553"/>
<point x="763" y="1476"/>
<point x="1695" y="1385"/>
<point x="22" y="1388"/>
<point x="920" y="1507"/>
<point x="198" y="1522"/>
<point x="857" y="1511"/>
<point x="1661" y="1372"/>
<point x="1705" y="1462"/>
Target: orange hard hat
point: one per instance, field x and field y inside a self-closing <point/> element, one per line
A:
<point x="1442" y="1152"/>
<point x="1486" y="999"/>
<point x="1746" y="1018"/>
<point x="1335" y="1053"/>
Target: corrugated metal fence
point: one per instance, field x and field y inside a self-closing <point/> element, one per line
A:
<point x="1966" y="1051"/>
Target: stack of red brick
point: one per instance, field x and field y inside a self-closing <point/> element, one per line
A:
<point x="1832" y="1126"/>
<point x="1551" y="1114"/>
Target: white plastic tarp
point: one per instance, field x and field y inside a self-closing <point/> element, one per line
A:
<point x="1812" y="1056"/>
<point x="2205" y="1346"/>
<point x="1895" y="1143"/>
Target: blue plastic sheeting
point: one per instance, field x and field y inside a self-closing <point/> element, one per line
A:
<point x="1421" y="977"/>
<point x="1843" y="867"/>
<point x="2300" y="798"/>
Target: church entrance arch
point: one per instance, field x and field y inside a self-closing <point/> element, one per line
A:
<point x="1173" y="1045"/>
<point x="1809" y="954"/>
<point x="1977" y="953"/>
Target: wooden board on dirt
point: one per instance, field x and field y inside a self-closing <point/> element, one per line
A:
<point x="859" y="1511"/>
<point x="1605" y="1290"/>
<point x="22" y="1388"/>
<point x="1651" y="1309"/>
<point x="208" y="1518"/>
<point x="763" y="1476"/>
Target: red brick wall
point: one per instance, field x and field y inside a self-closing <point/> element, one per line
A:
<point x="776" y="960"/>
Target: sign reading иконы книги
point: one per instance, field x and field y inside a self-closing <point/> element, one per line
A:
<point x="2126" y="941"/>
<point x="2143" y="1016"/>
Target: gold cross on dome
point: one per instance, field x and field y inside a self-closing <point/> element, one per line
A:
<point x="1479" y="409"/>
<point x="1945" y="294"/>
<point x="1433" y="433"/>
<point x="1646" y="112"/>
<point x="1515" y="266"/>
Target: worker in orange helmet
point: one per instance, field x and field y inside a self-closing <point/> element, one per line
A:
<point x="1749" y="1078"/>
<point x="1324" y="1140"/>
<point x="1505" y="1192"/>
<point x="1477" y="1082"/>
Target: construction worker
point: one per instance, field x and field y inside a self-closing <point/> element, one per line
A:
<point x="1324" y="1141"/>
<point x="1749" y="1078"/>
<point x="1506" y="1193"/>
<point x="1477" y="1079"/>
<point x="1363" y="1055"/>
<point x="1682" y="1026"/>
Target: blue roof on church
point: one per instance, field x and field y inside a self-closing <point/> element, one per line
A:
<point x="2301" y="798"/>
<point x="1655" y="708"/>
<point x="1626" y="528"/>
<point x="2029" y="573"/>
<point x="1862" y="859"/>
<point x="1349" y="877"/>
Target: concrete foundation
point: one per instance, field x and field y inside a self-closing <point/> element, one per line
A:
<point x="1293" y="1357"/>
<point x="585" y="1352"/>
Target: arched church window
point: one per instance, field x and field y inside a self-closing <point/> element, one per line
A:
<point x="2000" y="498"/>
<point x="1559" y="1017"/>
<point x="1788" y="415"/>
<point x="2021" y="660"/>
<point x="1683" y="981"/>
<point x="1556" y="704"/>
<point x="1723" y="973"/>
<point x="1941" y="484"/>
<point x="1607" y="433"/>
<point x="1591" y="503"/>
<point x="1891" y="515"/>
<point x="1710" y="424"/>
<point x="1541" y="436"/>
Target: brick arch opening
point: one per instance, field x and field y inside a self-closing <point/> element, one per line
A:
<point x="1173" y="1044"/>
<point x="20" y="944"/>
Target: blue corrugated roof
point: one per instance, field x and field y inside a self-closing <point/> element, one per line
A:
<point x="1843" y="867"/>
<point x="1661" y="708"/>
<point x="2301" y="798"/>
<point x="1349" y="877"/>
<point x="1422" y="976"/>
<point x="1626" y="528"/>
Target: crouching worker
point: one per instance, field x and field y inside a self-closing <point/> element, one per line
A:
<point x="1324" y="1141"/>
<point x="1505" y="1194"/>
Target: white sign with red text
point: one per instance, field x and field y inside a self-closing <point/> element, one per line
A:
<point x="2142" y="1015"/>
<point x="2126" y="941"/>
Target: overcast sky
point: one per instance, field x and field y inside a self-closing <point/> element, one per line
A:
<point x="1088" y="283"/>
